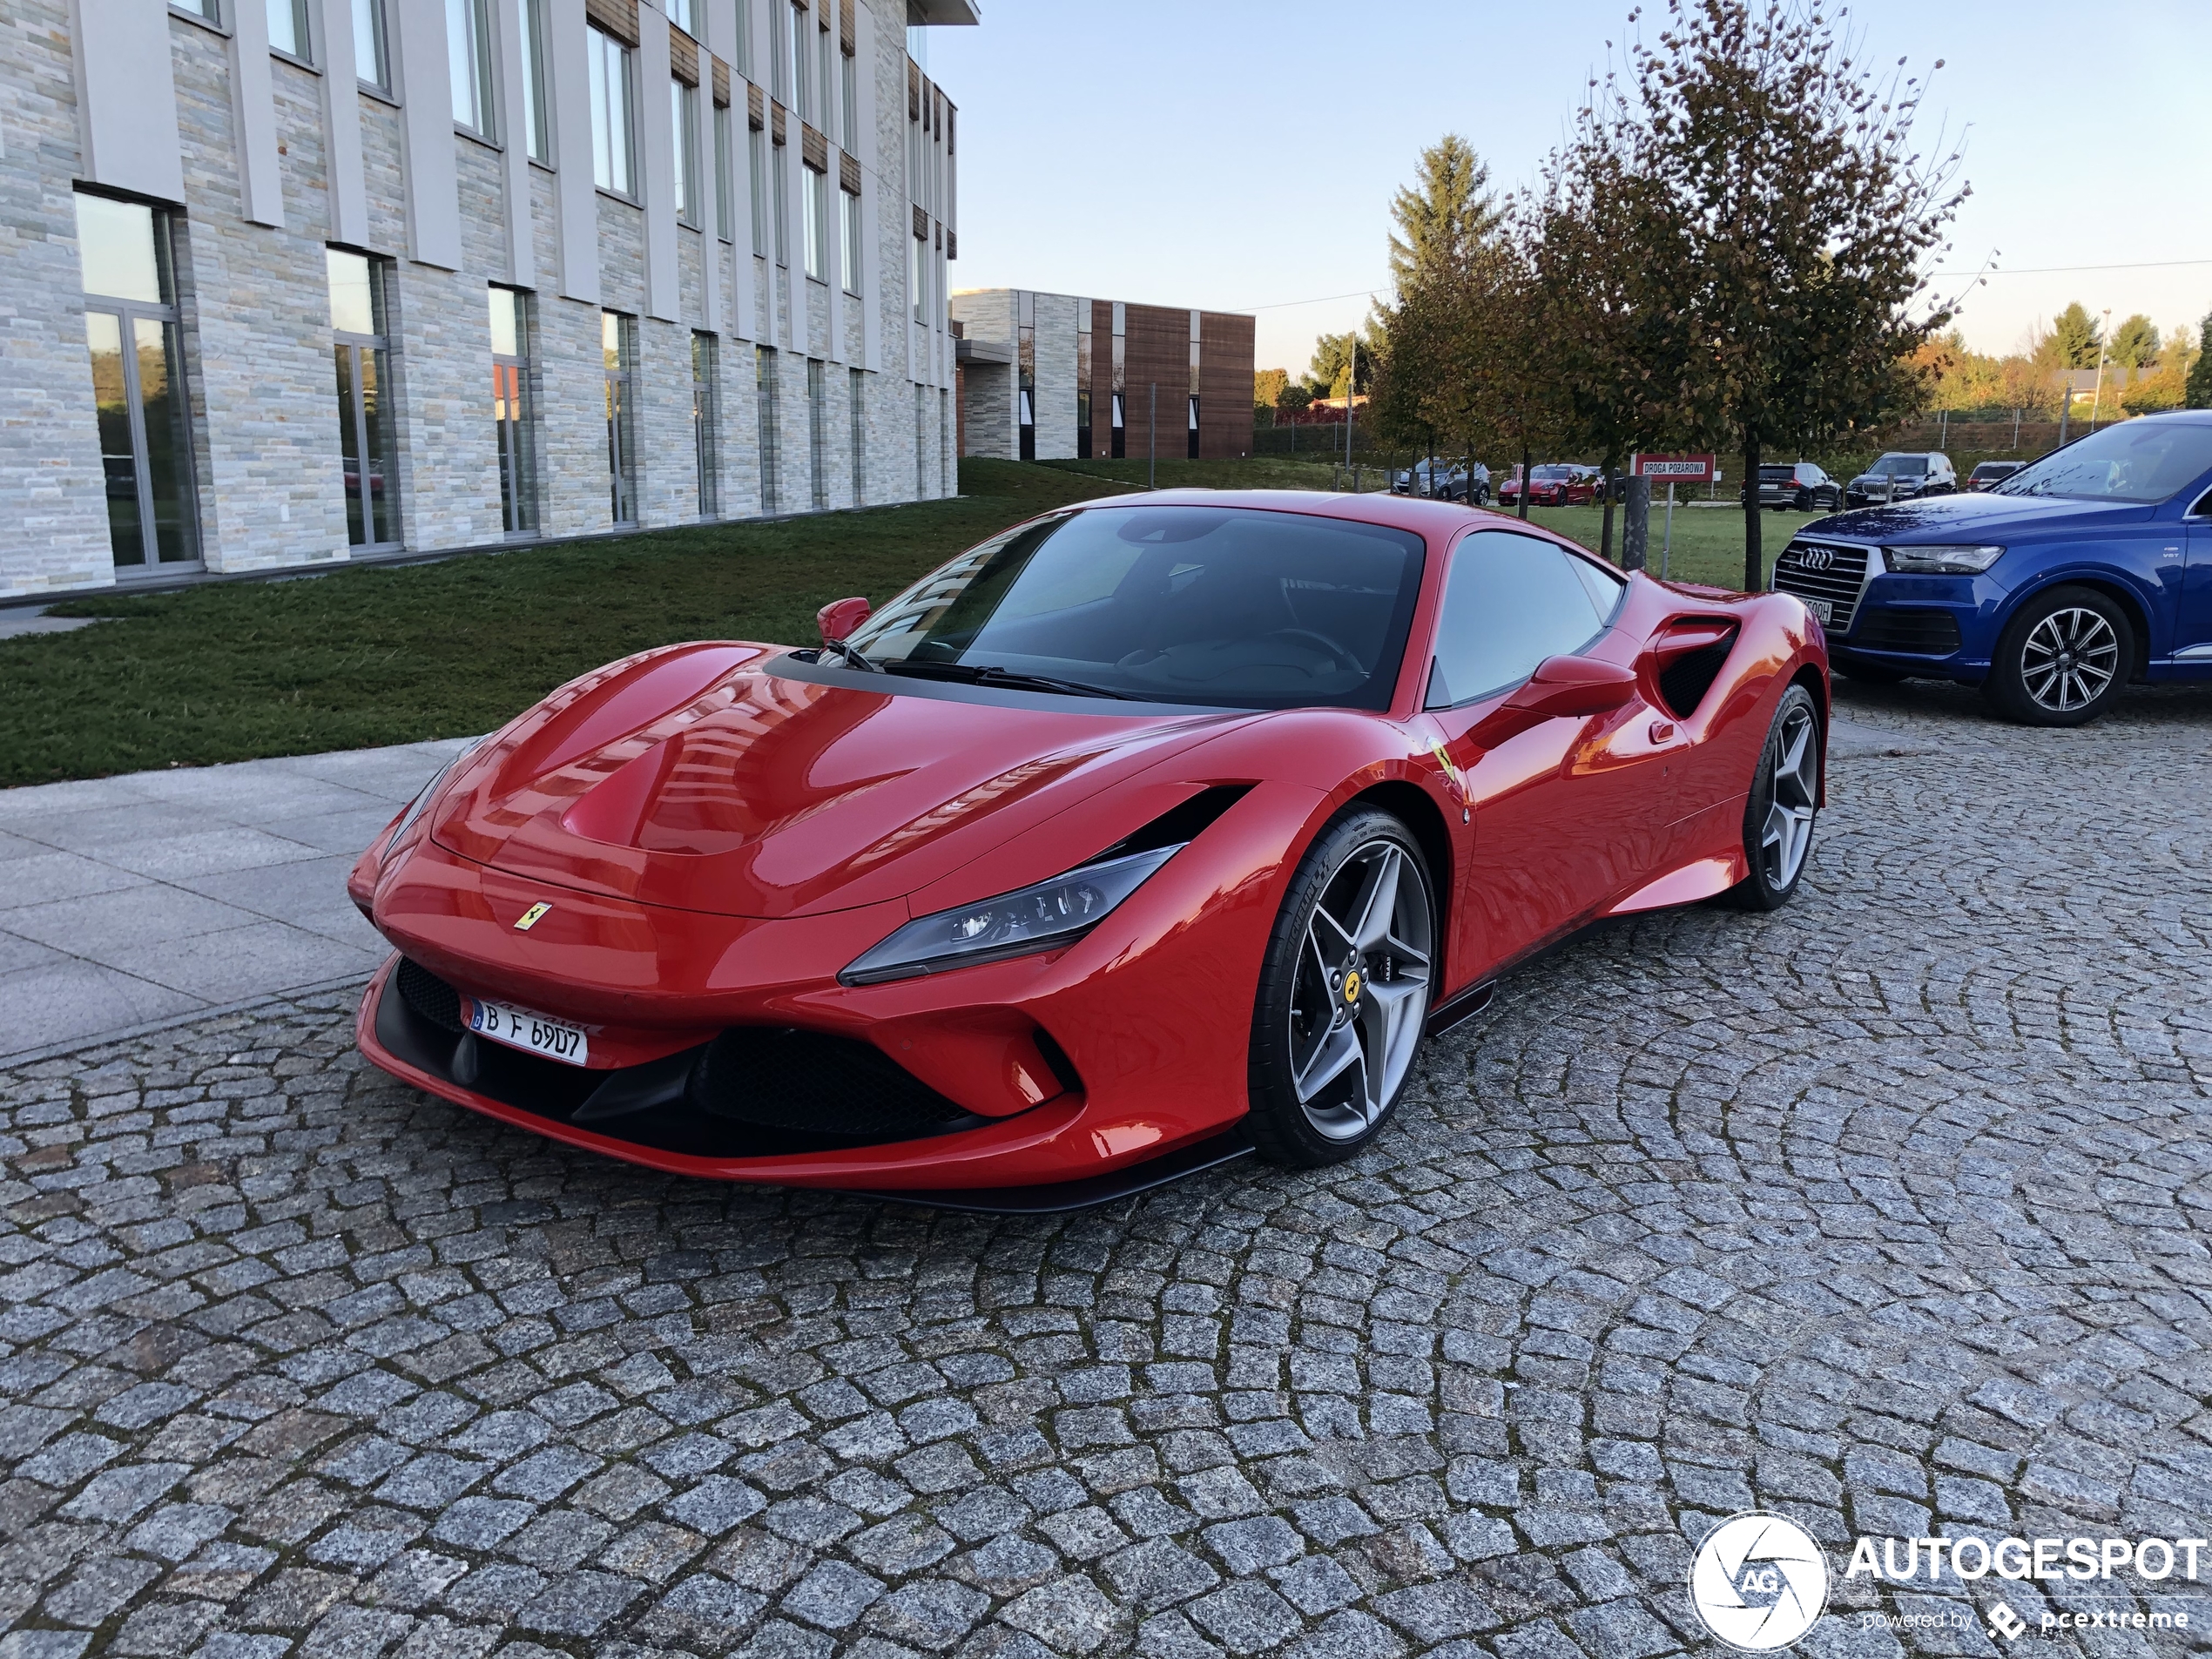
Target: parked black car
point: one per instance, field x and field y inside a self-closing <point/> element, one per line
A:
<point x="1903" y="475"/>
<point x="1802" y="487"/>
<point x="1448" y="482"/>
<point x="1990" y="474"/>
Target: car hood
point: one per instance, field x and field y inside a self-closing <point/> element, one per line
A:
<point x="1975" y="514"/>
<point x="700" y="779"/>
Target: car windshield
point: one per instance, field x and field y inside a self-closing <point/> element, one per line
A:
<point x="1226" y="607"/>
<point x="1900" y="467"/>
<point x="2135" y="461"/>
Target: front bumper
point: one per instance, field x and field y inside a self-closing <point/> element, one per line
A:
<point x="1129" y="1045"/>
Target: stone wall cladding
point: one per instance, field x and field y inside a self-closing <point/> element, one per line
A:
<point x="53" y="504"/>
<point x="255" y="305"/>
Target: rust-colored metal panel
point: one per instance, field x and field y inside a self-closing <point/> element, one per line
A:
<point x="618" y="18"/>
<point x="683" y="56"/>
<point x="1224" y="385"/>
<point x="813" y="148"/>
<point x="721" y="84"/>
<point x="848" y="174"/>
<point x="756" y="108"/>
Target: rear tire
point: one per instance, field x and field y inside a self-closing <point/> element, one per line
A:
<point x="2063" y="660"/>
<point x="1344" y="990"/>
<point x="1777" y="819"/>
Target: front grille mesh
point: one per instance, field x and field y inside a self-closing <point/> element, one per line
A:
<point x="429" y="995"/>
<point x="1830" y="571"/>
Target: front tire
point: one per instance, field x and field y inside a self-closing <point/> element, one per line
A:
<point x="2063" y="660"/>
<point x="1344" y="990"/>
<point x="1785" y="795"/>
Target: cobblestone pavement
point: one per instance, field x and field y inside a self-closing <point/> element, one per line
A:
<point x="1889" y="1212"/>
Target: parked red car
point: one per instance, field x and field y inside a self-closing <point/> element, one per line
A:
<point x="1144" y="835"/>
<point x="1560" y="485"/>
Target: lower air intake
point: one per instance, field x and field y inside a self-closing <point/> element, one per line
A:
<point x="810" y="1082"/>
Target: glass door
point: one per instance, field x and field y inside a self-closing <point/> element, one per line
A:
<point x="135" y="344"/>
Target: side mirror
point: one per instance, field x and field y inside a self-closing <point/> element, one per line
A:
<point x="1574" y="686"/>
<point x="841" y="617"/>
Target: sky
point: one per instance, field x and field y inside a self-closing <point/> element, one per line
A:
<point x="1241" y="155"/>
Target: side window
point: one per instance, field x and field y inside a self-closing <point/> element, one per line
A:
<point x="1510" y="602"/>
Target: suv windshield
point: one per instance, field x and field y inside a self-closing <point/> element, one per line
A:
<point x="1900" y="467"/>
<point x="1228" y="607"/>
<point x="2136" y="461"/>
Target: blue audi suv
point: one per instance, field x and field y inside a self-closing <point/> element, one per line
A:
<point x="2083" y="572"/>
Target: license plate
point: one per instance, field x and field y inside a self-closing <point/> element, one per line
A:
<point x="1824" y="610"/>
<point x="534" y="1033"/>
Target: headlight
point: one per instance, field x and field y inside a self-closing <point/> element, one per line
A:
<point x="422" y="796"/>
<point x="1942" y="561"/>
<point x="1053" y="912"/>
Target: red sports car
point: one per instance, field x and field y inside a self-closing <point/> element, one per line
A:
<point x="1144" y="834"/>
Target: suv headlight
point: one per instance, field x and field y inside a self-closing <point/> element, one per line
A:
<point x="1942" y="561"/>
<point x="1020" y="923"/>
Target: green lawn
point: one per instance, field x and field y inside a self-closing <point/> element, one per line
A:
<point x="232" y="671"/>
<point x="236" y="671"/>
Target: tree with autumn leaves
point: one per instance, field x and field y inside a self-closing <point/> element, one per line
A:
<point x="1726" y="253"/>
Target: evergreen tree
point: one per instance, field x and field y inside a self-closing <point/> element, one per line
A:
<point x="2135" y="342"/>
<point x="2196" y="393"/>
<point x="1443" y="216"/>
<point x="2075" y="337"/>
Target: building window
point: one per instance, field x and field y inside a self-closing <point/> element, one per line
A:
<point x="1083" y="380"/>
<point x="781" y="153"/>
<point x="849" y="251"/>
<point x="611" y="167"/>
<point x="289" y="30"/>
<point x="756" y="168"/>
<point x="618" y="349"/>
<point x="802" y="98"/>
<point x="680" y="13"/>
<point x="137" y="348"/>
<point x="511" y="411"/>
<point x="726" y="190"/>
<point x="814" y="198"/>
<point x="856" y="386"/>
<point x="849" y="107"/>
<point x="537" y="127"/>
<point x="468" y="57"/>
<point x="771" y="449"/>
<point x="707" y="422"/>
<point x="817" y="431"/>
<point x="371" y="60"/>
<point x="918" y="277"/>
<point x="683" y="114"/>
<point x="365" y="443"/>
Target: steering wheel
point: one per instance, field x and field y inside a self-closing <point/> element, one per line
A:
<point x="1336" y="653"/>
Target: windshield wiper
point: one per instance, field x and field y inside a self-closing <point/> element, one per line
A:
<point x="992" y="674"/>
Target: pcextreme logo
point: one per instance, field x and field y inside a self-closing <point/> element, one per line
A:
<point x="1759" y="1582"/>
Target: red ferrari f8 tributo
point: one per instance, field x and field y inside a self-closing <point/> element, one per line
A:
<point x="1142" y="835"/>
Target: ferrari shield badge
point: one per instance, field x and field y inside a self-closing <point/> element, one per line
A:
<point x="530" y="918"/>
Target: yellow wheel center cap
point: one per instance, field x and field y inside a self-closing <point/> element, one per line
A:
<point x="1352" y="987"/>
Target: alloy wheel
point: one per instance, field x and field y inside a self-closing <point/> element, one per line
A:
<point x="1362" y="991"/>
<point x="1793" y="793"/>
<point x="2069" y="659"/>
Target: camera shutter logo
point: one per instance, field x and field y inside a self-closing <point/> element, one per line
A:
<point x="1759" y="1582"/>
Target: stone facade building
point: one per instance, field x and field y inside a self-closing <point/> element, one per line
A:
<point x="288" y="282"/>
<point x="1049" y="377"/>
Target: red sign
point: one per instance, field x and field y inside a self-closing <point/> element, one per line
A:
<point x="1673" y="469"/>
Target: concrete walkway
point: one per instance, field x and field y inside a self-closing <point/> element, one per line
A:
<point x="129" y="900"/>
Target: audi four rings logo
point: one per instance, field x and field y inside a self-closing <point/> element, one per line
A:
<point x="1759" y="1582"/>
<point x="1816" y="558"/>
